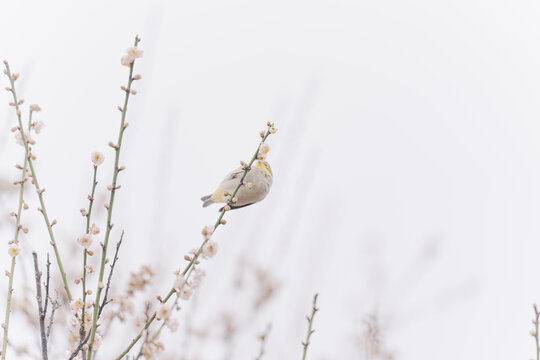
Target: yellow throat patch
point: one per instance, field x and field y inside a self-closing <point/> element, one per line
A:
<point x="264" y="166"/>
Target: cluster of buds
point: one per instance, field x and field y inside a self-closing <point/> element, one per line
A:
<point x="271" y="128"/>
<point x="151" y="349"/>
<point x="125" y="306"/>
<point x="139" y="280"/>
<point x="76" y="319"/>
<point x="36" y="126"/>
<point x="23" y="228"/>
<point x="131" y="91"/>
<point x="184" y="287"/>
<point x="35" y="108"/>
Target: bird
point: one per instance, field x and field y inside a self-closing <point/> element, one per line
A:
<point x="256" y="186"/>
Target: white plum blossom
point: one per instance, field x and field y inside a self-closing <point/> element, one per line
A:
<point x="14" y="250"/>
<point x="163" y="312"/>
<point x="198" y="274"/>
<point x="172" y="324"/>
<point x="19" y="139"/>
<point x="132" y="53"/>
<point x="207" y="231"/>
<point x="97" y="341"/>
<point x="38" y="126"/>
<point x="179" y="282"/>
<point x="263" y="151"/>
<point x="97" y="158"/>
<point x="209" y="249"/>
<point x="94" y="229"/>
<point x="85" y="241"/>
<point x="186" y="292"/>
<point x="125" y="60"/>
<point x="264" y="148"/>
<point x="76" y="305"/>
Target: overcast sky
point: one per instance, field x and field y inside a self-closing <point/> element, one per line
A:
<point x="406" y="165"/>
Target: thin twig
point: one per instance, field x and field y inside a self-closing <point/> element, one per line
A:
<point x="55" y="306"/>
<point x="47" y="282"/>
<point x="310" y="325"/>
<point x="197" y="254"/>
<point x="113" y="188"/>
<point x="105" y="302"/>
<point x="85" y="252"/>
<point x="39" y="190"/>
<point x="16" y="238"/>
<point x="263" y="338"/>
<point x="534" y="332"/>
<point x="105" y="297"/>
<point x="40" y="308"/>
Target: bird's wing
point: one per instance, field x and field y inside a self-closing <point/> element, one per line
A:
<point x="231" y="180"/>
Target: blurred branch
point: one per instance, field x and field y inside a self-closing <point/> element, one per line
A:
<point x="263" y="338"/>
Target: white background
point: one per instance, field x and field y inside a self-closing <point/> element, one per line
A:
<point x="406" y="165"/>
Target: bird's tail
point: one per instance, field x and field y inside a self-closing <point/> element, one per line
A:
<point x="207" y="200"/>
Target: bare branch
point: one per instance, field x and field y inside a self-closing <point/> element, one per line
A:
<point x="105" y="302"/>
<point x="310" y="325"/>
<point x="55" y="306"/>
<point x="40" y="308"/>
<point x="47" y="287"/>
<point x="78" y="348"/>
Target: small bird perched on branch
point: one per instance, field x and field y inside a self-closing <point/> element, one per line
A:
<point x="256" y="186"/>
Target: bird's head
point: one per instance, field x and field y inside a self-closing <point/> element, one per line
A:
<point x="264" y="166"/>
